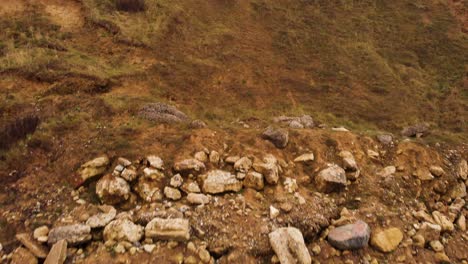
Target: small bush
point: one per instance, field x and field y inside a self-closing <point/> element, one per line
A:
<point x="130" y="5"/>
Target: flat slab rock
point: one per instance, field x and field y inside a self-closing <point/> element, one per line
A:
<point x="168" y="229"/>
<point x="58" y="253"/>
<point x="37" y="249"/>
<point x="288" y="244"/>
<point x="74" y="234"/>
<point x="349" y="237"/>
<point x="218" y="181"/>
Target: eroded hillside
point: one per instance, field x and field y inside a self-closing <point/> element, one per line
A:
<point x="81" y="79"/>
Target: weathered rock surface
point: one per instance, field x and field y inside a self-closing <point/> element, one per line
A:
<point x="149" y="190"/>
<point x="305" y="121"/>
<point x="418" y="130"/>
<point x="189" y="165"/>
<point x="123" y="230"/>
<point x="350" y="237"/>
<point x="172" y="193"/>
<point x="218" y="181"/>
<point x="436" y="171"/>
<point x="163" y="113"/>
<point x="129" y="174"/>
<point x="386" y="240"/>
<point x="443" y="221"/>
<point x="58" y="253"/>
<point x="288" y="244"/>
<point x="385" y="139"/>
<point x="37" y="249"/>
<point x="269" y="168"/>
<point x="331" y="179"/>
<point x="168" y="229"/>
<point x="254" y="180"/>
<point x="308" y="157"/>
<point x="279" y="137"/>
<point x="107" y="213"/>
<point x="74" y="234"/>
<point x="349" y="163"/>
<point x="93" y="168"/>
<point x="198" y="198"/>
<point x="243" y="164"/>
<point x="112" y="190"/>
<point x="191" y="187"/>
<point x="155" y="162"/>
<point x="462" y="170"/>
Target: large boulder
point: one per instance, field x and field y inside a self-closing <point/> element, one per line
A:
<point x="387" y="240"/>
<point x="74" y="234"/>
<point x="331" y="179"/>
<point x="163" y="113"/>
<point x="123" y="230"/>
<point x="218" y="181"/>
<point x="168" y="229"/>
<point x="279" y="137"/>
<point x="94" y="168"/>
<point x="112" y="189"/>
<point x="288" y="244"/>
<point x="351" y="236"/>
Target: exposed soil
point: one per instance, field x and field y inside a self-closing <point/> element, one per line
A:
<point x="85" y="70"/>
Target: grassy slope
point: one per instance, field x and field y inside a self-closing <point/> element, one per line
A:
<point x="369" y="65"/>
<point x="366" y="62"/>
